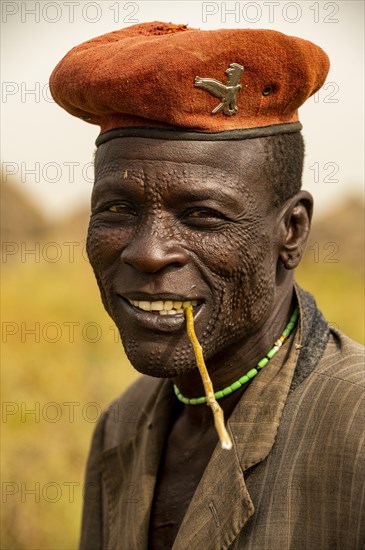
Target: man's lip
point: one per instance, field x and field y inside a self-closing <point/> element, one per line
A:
<point x="153" y="321"/>
<point x="166" y="296"/>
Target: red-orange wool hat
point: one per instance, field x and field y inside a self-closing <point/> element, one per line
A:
<point x="164" y="80"/>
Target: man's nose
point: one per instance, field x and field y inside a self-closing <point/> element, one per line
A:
<point x="150" y="253"/>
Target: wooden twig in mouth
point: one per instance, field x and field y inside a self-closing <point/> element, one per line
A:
<point x="225" y="440"/>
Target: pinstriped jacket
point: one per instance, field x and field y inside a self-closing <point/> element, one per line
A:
<point x="293" y="481"/>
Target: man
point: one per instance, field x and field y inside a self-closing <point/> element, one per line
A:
<point x="198" y="202"/>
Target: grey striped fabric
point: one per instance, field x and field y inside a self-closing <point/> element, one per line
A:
<point x="294" y="480"/>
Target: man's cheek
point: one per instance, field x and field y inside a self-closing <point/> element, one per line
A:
<point x="103" y="245"/>
<point x="94" y="243"/>
<point x="219" y="252"/>
<point x="234" y="253"/>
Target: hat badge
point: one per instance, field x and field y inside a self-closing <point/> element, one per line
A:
<point x="226" y="92"/>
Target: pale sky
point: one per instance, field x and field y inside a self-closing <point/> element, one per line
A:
<point x="51" y="151"/>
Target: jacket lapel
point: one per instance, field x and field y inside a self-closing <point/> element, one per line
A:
<point x="130" y="470"/>
<point x="220" y="507"/>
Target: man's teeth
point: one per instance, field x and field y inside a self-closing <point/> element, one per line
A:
<point x="167" y="307"/>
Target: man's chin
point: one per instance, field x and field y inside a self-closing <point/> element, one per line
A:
<point x="162" y="371"/>
<point x="156" y="355"/>
<point x="164" y="364"/>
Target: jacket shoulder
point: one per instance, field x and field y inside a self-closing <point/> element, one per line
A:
<point x="126" y="414"/>
<point x="343" y="360"/>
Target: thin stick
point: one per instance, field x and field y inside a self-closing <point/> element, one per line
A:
<point x="224" y="438"/>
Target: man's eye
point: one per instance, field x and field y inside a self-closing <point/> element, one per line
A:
<point x="121" y="209"/>
<point x="199" y="214"/>
<point x="204" y="218"/>
<point x="203" y="213"/>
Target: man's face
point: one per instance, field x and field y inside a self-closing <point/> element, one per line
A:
<point x="179" y="221"/>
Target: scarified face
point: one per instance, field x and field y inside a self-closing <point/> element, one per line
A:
<point x="176" y="222"/>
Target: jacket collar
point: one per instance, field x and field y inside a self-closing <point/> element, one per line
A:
<point x="221" y="498"/>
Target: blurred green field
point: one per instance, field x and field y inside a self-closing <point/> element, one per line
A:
<point x="339" y="293"/>
<point x="57" y="379"/>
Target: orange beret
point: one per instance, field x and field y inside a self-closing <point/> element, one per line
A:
<point x="229" y="84"/>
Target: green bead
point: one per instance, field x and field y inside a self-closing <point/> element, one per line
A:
<point x="251" y="373"/>
<point x="227" y="391"/>
<point x="236" y="385"/>
<point x="244" y="379"/>
<point x="261" y="364"/>
<point x="194" y="400"/>
<point x="184" y="400"/>
<point x="201" y="400"/>
<point x="270" y="354"/>
<point x="219" y="394"/>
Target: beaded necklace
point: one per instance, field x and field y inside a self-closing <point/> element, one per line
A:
<point x="251" y="373"/>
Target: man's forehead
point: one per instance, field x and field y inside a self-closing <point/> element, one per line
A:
<point x="179" y="180"/>
<point x="190" y="159"/>
<point x="231" y="174"/>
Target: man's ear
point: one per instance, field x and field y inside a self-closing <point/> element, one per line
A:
<point x="295" y="223"/>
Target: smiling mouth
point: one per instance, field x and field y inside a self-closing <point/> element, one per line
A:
<point x="163" y="307"/>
